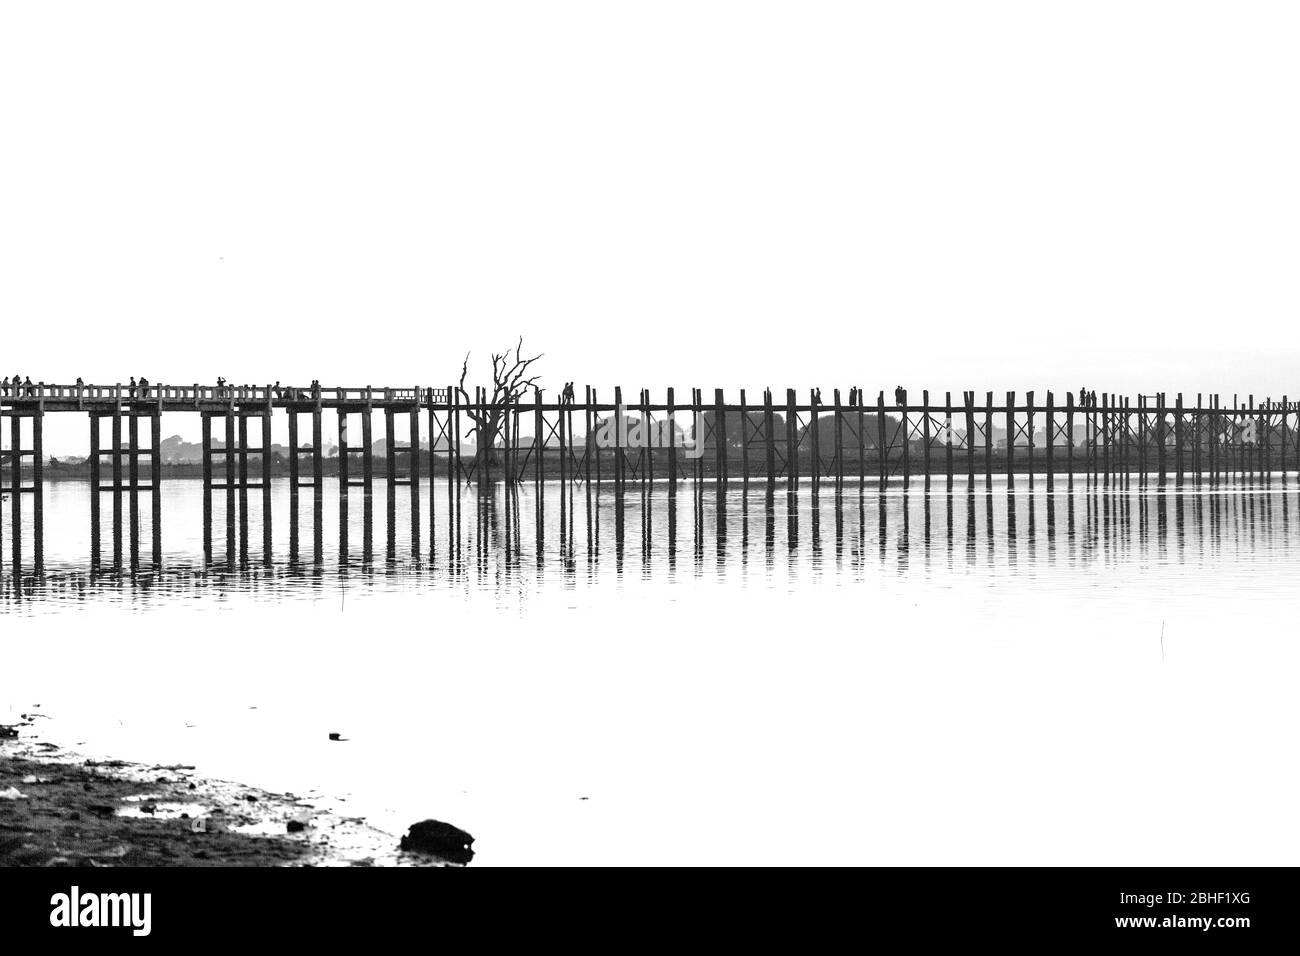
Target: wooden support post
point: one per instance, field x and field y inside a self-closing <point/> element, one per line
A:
<point x="561" y="424"/>
<point x="390" y="468"/>
<point x="620" y="434"/>
<point x="267" y="542"/>
<point x="1198" y="431"/>
<point x="317" y="475"/>
<point x="744" y="440"/>
<point x="988" y="441"/>
<point x="1281" y="442"/>
<point x="539" y="442"/>
<point x="207" y="484"/>
<point x="947" y="435"/>
<point x="1105" y="432"/>
<point x="414" y="475"/>
<point x="590" y="439"/>
<point x="647" y="445"/>
<point x="367" y="451"/>
<point x="1011" y="437"/>
<point x="1050" y="422"/>
<point x="791" y="442"/>
<point x="719" y="436"/>
<point x="38" y="488"/>
<point x="925" y="433"/>
<point x="968" y="399"/>
<point x="117" y="483"/>
<point x="697" y="418"/>
<point x="293" y="459"/>
<point x="882" y="442"/>
<point x="230" y="486"/>
<point x="672" y="440"/>
<point x="862" y="440"/>
<point x="433" y="477"/>
<point x="813" y="431"/>
<point x="1029" y="435"/>
<point x="839" y="442"/>
<point x="16" y="489"/>
<point x="1161" y="430"/>
<point x="243" y="487"/>
<point x="1216" y="429"/>
<point x="906" y="427"/>
<point x="769" y="438"/>
<point x="344" y="455"/>
<point x="1069" y="438"/>
<point x="1178" y="435"/>
<point x="453" y="436"/>
<point x="133" y="476"/>
<point x="95" y="484"/>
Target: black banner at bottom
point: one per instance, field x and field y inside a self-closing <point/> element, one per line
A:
<point x="1220" y="907"/>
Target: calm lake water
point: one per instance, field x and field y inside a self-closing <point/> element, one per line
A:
<point x="1087" y="676"/>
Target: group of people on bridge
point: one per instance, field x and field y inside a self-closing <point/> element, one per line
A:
<point x="19" y="386"/>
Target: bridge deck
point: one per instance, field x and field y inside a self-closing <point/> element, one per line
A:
<point x="181" y="398"/>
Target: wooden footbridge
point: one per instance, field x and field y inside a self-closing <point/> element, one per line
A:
<point x="837" y="439"/>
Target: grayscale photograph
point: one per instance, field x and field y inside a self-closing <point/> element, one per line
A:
<point x="681" y="435"/>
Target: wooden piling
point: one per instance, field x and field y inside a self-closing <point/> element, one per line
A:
<point x="16" y="489"/>
<point x="95" y="485"/>
<point x="1069" y="438"/>
<point x="947" y="435"/>
<point x="719" y="436"/>
<point x="988" y="441"/>
<point x="862" y="440"/>
<point x="814" y="439"/>
<point x="769" y="439"/>
<point x="414" y="476"/>
<point x="1029" y="435"/>
<point x="672" y="439"/>
<point x="590" y="437"/>
<point x="925" y="433"/>
<point x="620" y="425"/>
<point x="207" y="481"/>
<point x="1161" y="431"/>
<point x="38" y="488"/>
<point x="230" y="486"/>
<point x="133" y="476"/>
<point x="117" y="482"/>
<point x="839" y="442"/>
<point x="390" y="466"/>
<point x="1011" y="438"/>
<point x="906" y="427"/>
<point x="1049" y="449"/>
<point x="243" y="487"/>
<point x="791" y="440"/>
<point x="539" y="441"/>
<point x="882" y="442"/>
<point x="1178" y="436"/>
<point x="968" y="399"/>
<point x="745" y="427"/>
<point x="1105" y="438"/>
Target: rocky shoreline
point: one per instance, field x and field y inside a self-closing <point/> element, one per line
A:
<point x="60" y="808"/>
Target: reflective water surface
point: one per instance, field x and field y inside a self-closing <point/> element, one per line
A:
<point x="705" y="674"/>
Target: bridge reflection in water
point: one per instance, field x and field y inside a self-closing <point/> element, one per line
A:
<point x="508" y="537"/>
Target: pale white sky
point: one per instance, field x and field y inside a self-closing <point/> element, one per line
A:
<point x="940" y="195"/>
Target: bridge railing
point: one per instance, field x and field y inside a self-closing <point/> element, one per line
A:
<point x="193" y="394"/>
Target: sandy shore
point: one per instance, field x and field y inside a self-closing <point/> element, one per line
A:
<point x="59" y="808"/>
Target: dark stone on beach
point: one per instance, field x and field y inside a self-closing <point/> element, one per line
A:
<point x="336" y="736"/>
<point x="250" y="798"/>
<point x="439" y="839"/>
<point x="101" y="810"/>
<point x="74" y="815"/>
<point x="295" y="826"/>
<point x="7" y="731"/>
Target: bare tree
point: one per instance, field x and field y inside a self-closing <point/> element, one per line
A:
<point x="510" y="380"/>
